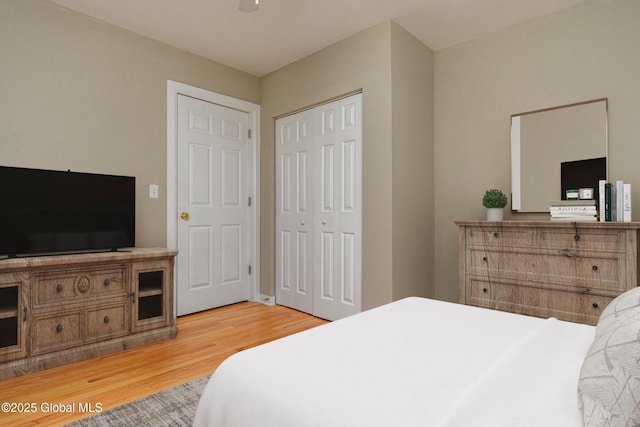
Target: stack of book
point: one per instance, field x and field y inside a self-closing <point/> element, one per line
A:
<point x="574" y="210"/>
<point x="615" y="201"/>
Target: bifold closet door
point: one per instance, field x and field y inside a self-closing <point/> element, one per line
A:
<point x="338" y="213"/>
<point x="294" y="211"/>
<point x="319" y="209"/>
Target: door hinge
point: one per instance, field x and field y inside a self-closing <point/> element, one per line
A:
<point x="249" y="269"/>
<point x="249" y="133"/>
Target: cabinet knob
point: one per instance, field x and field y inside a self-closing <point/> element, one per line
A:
<point x="595" y="305"/>
<point x="59" y="287"/>
<point x="594" y="268"/>
<point x="484" y="258"/>
<point x="496" y="234"/>
<point x="106" y="319"/>
<point x="576" y="237"/>
<point x="485" y="290"/>
<point x="59" y="328"/>
<point x="107" y="282"/>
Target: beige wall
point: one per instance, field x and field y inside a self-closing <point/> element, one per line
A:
<point x="359" y="62"/>
<point x="583" y="53"/>
<point x="83" y="95"/>
<point x="375" y="60"/>
<point x="79" y="94"/>
<point x="412" y="165"/>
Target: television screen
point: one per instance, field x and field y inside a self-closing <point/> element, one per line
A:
<point x="46" y="211"/>
<point x="582" y="174"/>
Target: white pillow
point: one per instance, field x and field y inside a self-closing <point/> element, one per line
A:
<point x="624" y="304"/>
<point x="609" y="385"/>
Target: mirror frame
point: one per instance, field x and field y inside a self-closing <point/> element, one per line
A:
<point x="516" y="181"/>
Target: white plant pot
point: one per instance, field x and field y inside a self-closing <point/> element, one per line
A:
<point x="495" y="214"/>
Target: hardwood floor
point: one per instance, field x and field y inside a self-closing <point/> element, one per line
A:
<point x="204" y="340"/>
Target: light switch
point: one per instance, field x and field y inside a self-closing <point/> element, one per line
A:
<point x="153" y="191"/>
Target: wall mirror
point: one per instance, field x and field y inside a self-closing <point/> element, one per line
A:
<point x="543" y="140"/>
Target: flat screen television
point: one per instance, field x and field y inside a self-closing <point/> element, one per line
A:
<point x="47" y="211"/>
<point x="582" y="174"/>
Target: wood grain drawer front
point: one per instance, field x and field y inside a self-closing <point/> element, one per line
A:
<point x="107" y="322"/>
<point x="535" y="301"/>
<point x="56" y="331"/>
<point x="592" y="240"/>
<point x="497" y="236"/>
<point x="72" y="285"/>
<point x="605" y="272"/>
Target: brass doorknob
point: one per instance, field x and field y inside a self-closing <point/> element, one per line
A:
<point x="184" y="216"/>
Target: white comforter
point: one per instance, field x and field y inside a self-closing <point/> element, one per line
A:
<point x="414" y="362"/>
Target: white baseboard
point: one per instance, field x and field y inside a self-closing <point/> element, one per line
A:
<point x="267" y="299"/>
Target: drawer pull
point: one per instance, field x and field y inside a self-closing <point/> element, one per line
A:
<point x="59" y="287"/>
<point x="106" y="319"/>
<point x="595" y="305"/>
<point x="59" y="328"/>
<point x="24" y="310"/>
<point x="594" y="268"/>
<point x="107" y="282"/>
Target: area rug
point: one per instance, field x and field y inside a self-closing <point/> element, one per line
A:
<point x="173" y="407"/>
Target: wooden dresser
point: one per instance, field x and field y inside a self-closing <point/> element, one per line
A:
<point x="567" y="270"/>
<point x="60" y="309"/>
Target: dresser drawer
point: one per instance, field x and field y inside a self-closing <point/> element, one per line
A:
<point x="569" y="270"/>
<point x="536" y="301"/>
<point x="589" y="240"/>
<point x="498" y="236"/>
<point x="606" y="272"/>
<point x="67" y="286"/>
<point x="107" y="322"/>
<point x="56" y="331"/>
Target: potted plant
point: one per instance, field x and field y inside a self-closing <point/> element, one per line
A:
<point x="495" y="201"/>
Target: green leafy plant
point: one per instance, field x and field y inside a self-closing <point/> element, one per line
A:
<point x="494" y="199"/>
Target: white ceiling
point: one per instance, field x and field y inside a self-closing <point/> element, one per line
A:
<point x="283" y="31"/>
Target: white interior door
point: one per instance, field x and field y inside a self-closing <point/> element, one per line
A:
<point x="212" y="200"/>
<point x="294" y="218"/>
<point x="319" y="209"/>
<point x="338" y="216"/>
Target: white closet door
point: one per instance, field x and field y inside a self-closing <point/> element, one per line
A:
<point x="338" y="215"/>
<point x="319" y="209"/>
<point x="294" y="211"/>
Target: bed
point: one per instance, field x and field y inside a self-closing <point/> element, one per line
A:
<point x="421" y="362"/>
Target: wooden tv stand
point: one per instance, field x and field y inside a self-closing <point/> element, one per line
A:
<point x="60" y="309"/>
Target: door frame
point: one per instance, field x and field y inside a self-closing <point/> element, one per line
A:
<point x="253" y="110"/>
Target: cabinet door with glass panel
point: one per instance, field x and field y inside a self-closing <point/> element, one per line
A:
<point x="13" y="315"/>
<point x="152" y="297"/>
